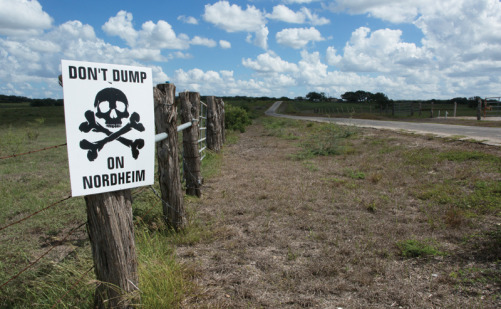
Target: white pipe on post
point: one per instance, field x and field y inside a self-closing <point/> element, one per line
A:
<point x="161" y="136"/>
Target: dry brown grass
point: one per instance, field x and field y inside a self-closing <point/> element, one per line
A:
<point x="322" y="231"/>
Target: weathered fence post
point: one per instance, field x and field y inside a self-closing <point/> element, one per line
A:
<point x="455" y="108"/>
<point x="214" y="132"/>
<point x="167" y="154"/>
<point x="190" y="109"/>
<point x="111" y="232"/>
<point x="479" y="109"/>
<point x="220" y="107"/>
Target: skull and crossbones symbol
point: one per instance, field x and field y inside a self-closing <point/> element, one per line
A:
<point x="112" y="107"/>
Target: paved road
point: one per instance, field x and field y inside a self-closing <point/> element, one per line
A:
<point x="490" y="136"/>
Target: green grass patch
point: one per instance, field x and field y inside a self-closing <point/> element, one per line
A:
<point x="462" y="156"/>
<point x="163" y="282"/>
<point x="413" y="248"/>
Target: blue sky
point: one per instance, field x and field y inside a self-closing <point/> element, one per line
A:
<point x="407" y="49"/>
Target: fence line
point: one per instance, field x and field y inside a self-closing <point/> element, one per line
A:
<point x="30" y="152"/>
<point x="195" y="143"/>
<point x="40" y="257"/>
<point x="37" y="212"/>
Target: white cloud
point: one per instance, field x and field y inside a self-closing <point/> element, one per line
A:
<point x="396" y="11"/>
<point x="331" y="56"/>
<point x="299" y="1"/>
<point x="121" y="26"/>
<point x="269" y="63"/>
<point x="283" y="13"/>
<point x="218" y="83"/>
<point x="224" y="44"/>
<point x="261" y="39"/>
<point x="180" y="55"/>
<point x="188" y="19"/>
<point x="298" y="37"/>
<point x="161" y="35"/>
<point x="152" y="35"/>
<point x="311" y="68"/>
<point x="203" y="41"/>
<point x="380" y="51"/>
<point x="232" y="18"/>
<point x="23" y="17"/>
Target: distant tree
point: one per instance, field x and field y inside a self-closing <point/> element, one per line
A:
<point x="350" y="96"/>
<point x="357" y="96"/>
<point x="363" y="96"/>
<point x="461" y="101"/>
<point x="381" y="100"/>
<point x="315" y="96"/>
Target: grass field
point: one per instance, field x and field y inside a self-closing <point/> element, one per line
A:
<point x="366" y="110"/>
<point x="379" y="203"/>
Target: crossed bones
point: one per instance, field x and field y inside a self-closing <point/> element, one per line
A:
<point x="94" y="147"/>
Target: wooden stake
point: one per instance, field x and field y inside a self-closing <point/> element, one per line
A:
<point x="111" y="233"/>
<point x="169" y="175"/>
<point x="190" y="109"/>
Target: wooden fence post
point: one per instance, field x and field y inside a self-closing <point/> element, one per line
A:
<point x="220" y="107"/>
<point x="479" y="109"/>
<point x="214" y="132"/>
<point x="167" y="154"/>
<point x="190" y="109"/>
<point x="111" y="233"/>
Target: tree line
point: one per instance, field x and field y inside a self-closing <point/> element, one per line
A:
<point x="33" y="102"/>
<point x="381" y="100"/>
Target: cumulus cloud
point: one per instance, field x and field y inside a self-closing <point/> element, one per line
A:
<point x="203" y="41"/>
<point x="219" y="83"/>
<point x="332" y="57"/>
<point x="152" y="35"/>
<point x="23" y="17"/>
<point x="298" y="37"/>
<point x="299" y="1"/>
<point x="380" y="51"/>
<point x="396" y="11"/>
<point x="188" y="19"/>
<point x="121" y="26"/>
<point x="283" y="13"/>
<point x="261" y="39"/>
<point x="224" y="44"/>
<point x="232" y="18"/>
<point x="269" y="63"/>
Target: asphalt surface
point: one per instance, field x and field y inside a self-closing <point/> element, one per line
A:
<point x="490" y="136"/>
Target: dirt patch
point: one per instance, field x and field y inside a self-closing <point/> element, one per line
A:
<point x="324" y="232"/>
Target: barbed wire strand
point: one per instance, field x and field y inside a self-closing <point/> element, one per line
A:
<point x="72" y="287"/>
<point x="40" y="257"/>
<point x="166" y="203"/>
<point x="33" y="151"/>
<point x="150" y="209"/>
<point x="37" y="212"/>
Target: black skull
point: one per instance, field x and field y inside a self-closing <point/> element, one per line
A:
<point x="111" y="105"/>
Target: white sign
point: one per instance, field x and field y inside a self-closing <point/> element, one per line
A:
<point x="110" y="126"/>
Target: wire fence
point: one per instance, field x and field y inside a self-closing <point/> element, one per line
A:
<point x="33" y="264"/>
<point x="8" y="279"/>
